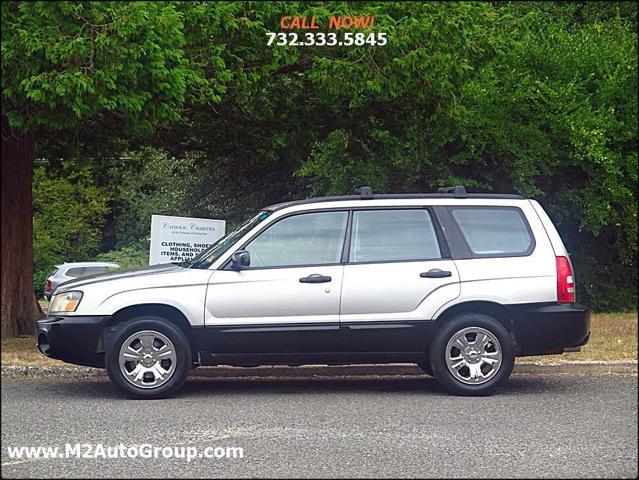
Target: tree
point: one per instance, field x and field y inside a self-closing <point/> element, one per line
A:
<point x="18" y="300"/>
<point x="117" y="67"/>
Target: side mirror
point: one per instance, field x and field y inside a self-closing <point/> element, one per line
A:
<point x="240" y="259"/>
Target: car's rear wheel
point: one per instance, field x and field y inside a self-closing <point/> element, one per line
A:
<point x="149" y="358"/>
<point x="472" y="355"/>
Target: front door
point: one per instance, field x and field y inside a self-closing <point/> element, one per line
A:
<point x="287" y="300"/>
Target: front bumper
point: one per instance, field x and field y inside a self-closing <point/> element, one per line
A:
<point x="73" y="339"/>
<point x="543" y="329"/>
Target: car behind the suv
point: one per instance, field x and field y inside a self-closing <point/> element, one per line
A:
<point x="458" y="283"/>
<point x="72" y="270"/>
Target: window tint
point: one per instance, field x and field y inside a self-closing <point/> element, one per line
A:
<point x="306" y="239"/>
<point x="393" y="235"/>
<point x="94" y="270"/>
<point x="75" y="272"/>
<point x="493" y="230"/>
<point x="206" y="258"/>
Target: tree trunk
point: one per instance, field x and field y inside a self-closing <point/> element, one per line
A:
<point x="20" y="308"/>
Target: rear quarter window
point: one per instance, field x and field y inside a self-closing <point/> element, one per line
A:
<point x="75" y="272"/>
<point x="494" y="231"/>
<point x="94" y="270"/>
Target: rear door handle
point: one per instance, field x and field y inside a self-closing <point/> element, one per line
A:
<point x="315" y="278"/>
<point x="435" y="273"/>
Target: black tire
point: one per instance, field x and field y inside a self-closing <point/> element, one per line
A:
<point x="425" y="366"/>
<point x="182" y="352"/>
<point x="438" y="354"/>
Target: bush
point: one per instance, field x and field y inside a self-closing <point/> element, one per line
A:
<point x="129" y="256"/>
<point x="69" y="212"/>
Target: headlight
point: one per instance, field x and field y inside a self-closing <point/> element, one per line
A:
<point x="65" y="302"/>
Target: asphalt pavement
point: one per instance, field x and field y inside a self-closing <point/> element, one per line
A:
<point x="538" y="426"/>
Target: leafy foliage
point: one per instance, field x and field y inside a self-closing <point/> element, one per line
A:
<point x="65" y="61"/>
<point x="555" y="117"/>
<point x="150" y="183"/>
<point x="134" y="254"/>
<point x="69" y="212"/>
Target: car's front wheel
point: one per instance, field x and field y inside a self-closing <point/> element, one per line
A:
<point x="149" y="358"/>
<point x="472" y="354"/>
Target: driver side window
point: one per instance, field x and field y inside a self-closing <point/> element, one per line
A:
<point x="305" y="239"/>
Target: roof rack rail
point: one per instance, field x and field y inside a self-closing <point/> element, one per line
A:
<point x="365" y="193"/>
<point x="458" y="191"/>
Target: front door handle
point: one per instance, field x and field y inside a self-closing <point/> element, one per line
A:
<point x="315" y="278"/>
<point x="435" y="273"/>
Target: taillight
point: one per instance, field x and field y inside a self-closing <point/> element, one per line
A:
<point x="48" y="289"/>
<point x="565" y="281"/>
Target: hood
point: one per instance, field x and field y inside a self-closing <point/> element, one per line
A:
<point x="162" y="268"/>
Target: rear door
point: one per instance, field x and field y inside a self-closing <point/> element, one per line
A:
<point x="399" y="272"/>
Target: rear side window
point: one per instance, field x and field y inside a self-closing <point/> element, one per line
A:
<point x="393" y="235"/>
<point x="75" y="272"/>
<point x="94" y="270"/>
<point x="494" y="230"/>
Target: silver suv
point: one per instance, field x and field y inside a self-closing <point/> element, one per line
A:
<point x="457" y="283"/>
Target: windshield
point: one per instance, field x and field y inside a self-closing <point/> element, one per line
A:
<point x="206" y="258"/>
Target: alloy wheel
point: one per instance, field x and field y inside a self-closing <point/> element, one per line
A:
<point x="473" y="355"/>
<point x="147" y="359"/>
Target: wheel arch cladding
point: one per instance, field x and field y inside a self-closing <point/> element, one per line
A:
<point x="495" y="310"/>
<point x="166" y="312"/>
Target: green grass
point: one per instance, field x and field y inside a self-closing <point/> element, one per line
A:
<point x="614" y="337"/>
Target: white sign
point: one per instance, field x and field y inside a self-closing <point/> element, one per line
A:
<point x="177" y="239"/>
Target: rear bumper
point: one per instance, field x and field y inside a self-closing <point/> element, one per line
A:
<point x="543" y="329"/>
<point x="73" y="339"/>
